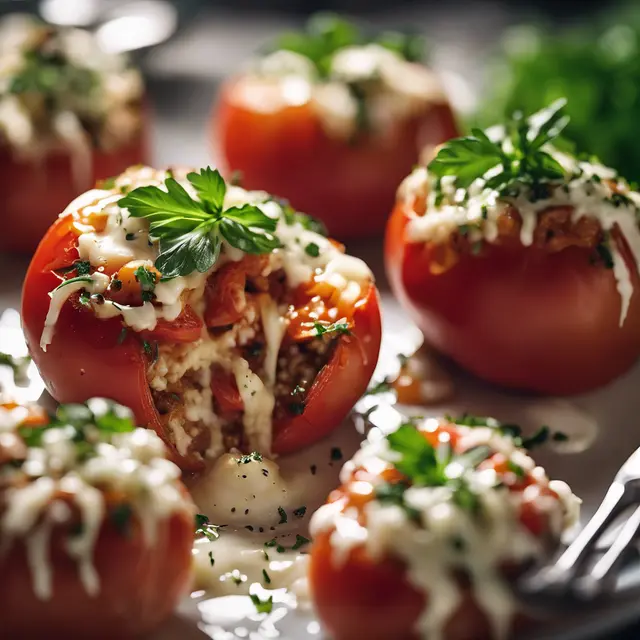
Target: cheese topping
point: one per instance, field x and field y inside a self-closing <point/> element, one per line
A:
<point x="592" y="191"/>
<point x="368" y="76"/>
<point x="72" y="465"/>
<point x="59" y="89"/>
<point x="437" y="533"/>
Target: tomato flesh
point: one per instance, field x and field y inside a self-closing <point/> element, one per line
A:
<point x="519" y="316"/>
<point x="284" y="150"/>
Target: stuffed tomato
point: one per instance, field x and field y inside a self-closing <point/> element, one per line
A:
<point x="96" y="528"/>
<point x="219" y="315"/>
<point x="430" y="526"/>
<point x="519" y="261"/>
<point x="69" y="114"/>
<point x="333" y="121"/>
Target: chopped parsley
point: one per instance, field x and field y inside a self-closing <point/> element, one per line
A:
<point x="190" y="231"/>
<point x="91" y="423"/>
<point x="254" y="456"/>
<point x="336" y="453"/>
<point x="312" y="249"/>
<point x="384" y="386"/>
<point x="291" y="217"/>
<point x="147" y="280"/>
<point x="300" y="512"/>
<point x="324" y="328"/>
<point x="283" y="515"/>
<point x="539" y="437"/>
<point x="211" y="558"/>
<point x="301" y="541"/>
<point x="121" y="516"/>
<point x="204" y="528"/>
<point x="262" y="606"/>
<point x="266" y="576"/>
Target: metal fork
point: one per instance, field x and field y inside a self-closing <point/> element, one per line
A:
<point x="566" y="575"/>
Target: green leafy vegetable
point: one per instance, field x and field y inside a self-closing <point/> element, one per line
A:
<point x="524" y="161"/>
<point x="254" y="456"/>
<point x="190" y="231"/>
<point x="148" y="281"/>
<point x="312" y="249"/>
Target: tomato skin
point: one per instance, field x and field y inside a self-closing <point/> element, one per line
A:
<point x="519" y="316"/>
<point x="140" y="584"/>
<point x="285" y="151"/>
<point x="339" y="384"/>
<point x="89" y="357"/>
<point x="37" y="191"/>
<point x="362" y="598"/>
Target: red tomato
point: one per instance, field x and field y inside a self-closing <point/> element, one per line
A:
<point x="519" y="316"/>
<point x="284" y="150"/>
<point x="140" y="587"/>
<point x="91" y="357"/>
<point x="34" y="192"/>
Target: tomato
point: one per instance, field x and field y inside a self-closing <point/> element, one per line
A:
<point x="93" y="357"/>
<point x="519" y="316"/>
<point x="140" y="584"/>
<point x="284" y="150"/>
<point x="35" y="191"/>
<point x="366" y="598"/>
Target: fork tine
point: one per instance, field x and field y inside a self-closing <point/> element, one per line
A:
<point x="604" y="571"/>
<point x="556" y="578"/>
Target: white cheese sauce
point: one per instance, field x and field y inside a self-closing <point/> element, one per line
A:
<point x="55" y="476"/>
<point x="479" y="208"/>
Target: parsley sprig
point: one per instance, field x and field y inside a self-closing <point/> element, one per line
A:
<point x="518" y="159"/>
<point x="190" y="231"/>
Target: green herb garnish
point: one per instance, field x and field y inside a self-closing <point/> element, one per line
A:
<point x="254" y="456"/>
<point x="147" y="280"/>
<point x="18" y="365"/>
<point x="312" y="249"/>
<point x="205" y="529"/>
<point x="190" y="231"/>
<point x="339" y="328"/>
<point x="522" y="162"/>
<point x="283" y="515"/>
<point x="262" y="606"/>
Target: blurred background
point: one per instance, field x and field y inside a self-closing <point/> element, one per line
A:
<point x="492" y="56"/>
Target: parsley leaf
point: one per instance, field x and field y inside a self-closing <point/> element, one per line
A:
<point x="190" y="231"/>
<point x="205" y="529"/>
